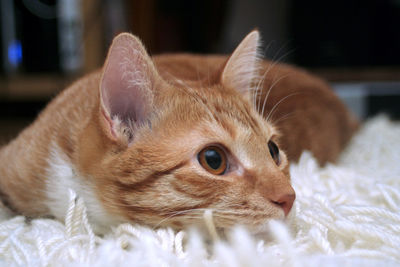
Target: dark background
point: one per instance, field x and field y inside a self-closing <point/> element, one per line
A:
<point x="47" y="45"/>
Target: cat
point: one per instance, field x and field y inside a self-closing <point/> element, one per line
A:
<point x="157" y="141"/>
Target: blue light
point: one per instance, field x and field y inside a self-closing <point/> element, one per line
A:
<point x="15" y="53"/>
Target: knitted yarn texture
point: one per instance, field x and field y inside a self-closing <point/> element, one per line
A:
<point x="345" y="214"/>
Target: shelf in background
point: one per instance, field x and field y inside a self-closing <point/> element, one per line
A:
<point x="33" y="87"/>
<point x="45" y="86"/>
<point x="358" y="74"/>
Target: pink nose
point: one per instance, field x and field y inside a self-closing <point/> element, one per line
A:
<point x="285" y="202"/>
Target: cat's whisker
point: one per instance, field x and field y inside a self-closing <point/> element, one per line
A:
<point x="284" y="117"/>
<point x="262" y="80"/>
<point x="260" y="86"/>
<point x="258" y="90"/>
<point x="177" y="213"/>
<point x="278" y="103"/>
<point x="269" y="91"/>
<point x="199" y="212"/>
<point x="255" y="89"/>
<point x="275" y="61"/>
<point x="268" y="47"/>
<point x="279" y="50"/>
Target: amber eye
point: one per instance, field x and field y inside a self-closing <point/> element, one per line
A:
<point x="274" y="151"/>
<point x="213" y="159"/>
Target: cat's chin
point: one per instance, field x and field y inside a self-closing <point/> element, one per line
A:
<point x="263" y="230"/>
<point x="259" y="232"/>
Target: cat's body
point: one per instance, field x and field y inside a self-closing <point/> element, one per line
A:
<point x="134" y="140"/>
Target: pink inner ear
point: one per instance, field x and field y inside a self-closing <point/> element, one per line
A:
<point x="121" y="96"/>
<point x="126" y="84"/>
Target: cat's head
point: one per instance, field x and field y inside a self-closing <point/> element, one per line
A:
<point x="171" y="150"/>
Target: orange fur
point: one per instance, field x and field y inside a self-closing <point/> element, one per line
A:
<point x="131" y="133"/>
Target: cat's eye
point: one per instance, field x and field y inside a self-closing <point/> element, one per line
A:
<point x="274" y="151"/>
<point x="213" y="160"/>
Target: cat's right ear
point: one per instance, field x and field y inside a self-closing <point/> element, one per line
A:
<point x="241" y="69"/>
<point x="126" y="87"/>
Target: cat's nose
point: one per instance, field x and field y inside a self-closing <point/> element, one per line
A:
<point x="285" y="201"/>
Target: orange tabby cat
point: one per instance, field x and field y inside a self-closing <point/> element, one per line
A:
<point x="157" y="141"/>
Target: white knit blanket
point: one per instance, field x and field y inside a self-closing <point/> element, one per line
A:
<point x="347" y="214"/>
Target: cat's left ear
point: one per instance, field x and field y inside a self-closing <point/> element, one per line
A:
<point x="241" y="68"/>
<point x="127" y="87"/>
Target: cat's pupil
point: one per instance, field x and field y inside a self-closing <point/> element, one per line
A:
<point x="274" y="151"/>
<point x="213" y="159"/>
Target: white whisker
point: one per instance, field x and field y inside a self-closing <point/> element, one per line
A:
<point x="262" y="80"/>
<point x="278" y="103"/>
<point x="269" y="91"/>
<point x="284" y="117"/>
<point x="199" y="212"/>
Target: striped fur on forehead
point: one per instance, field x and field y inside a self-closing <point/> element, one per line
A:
<point x="231" y="111"/>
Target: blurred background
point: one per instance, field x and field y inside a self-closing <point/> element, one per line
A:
<point x="46" y="44"/>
